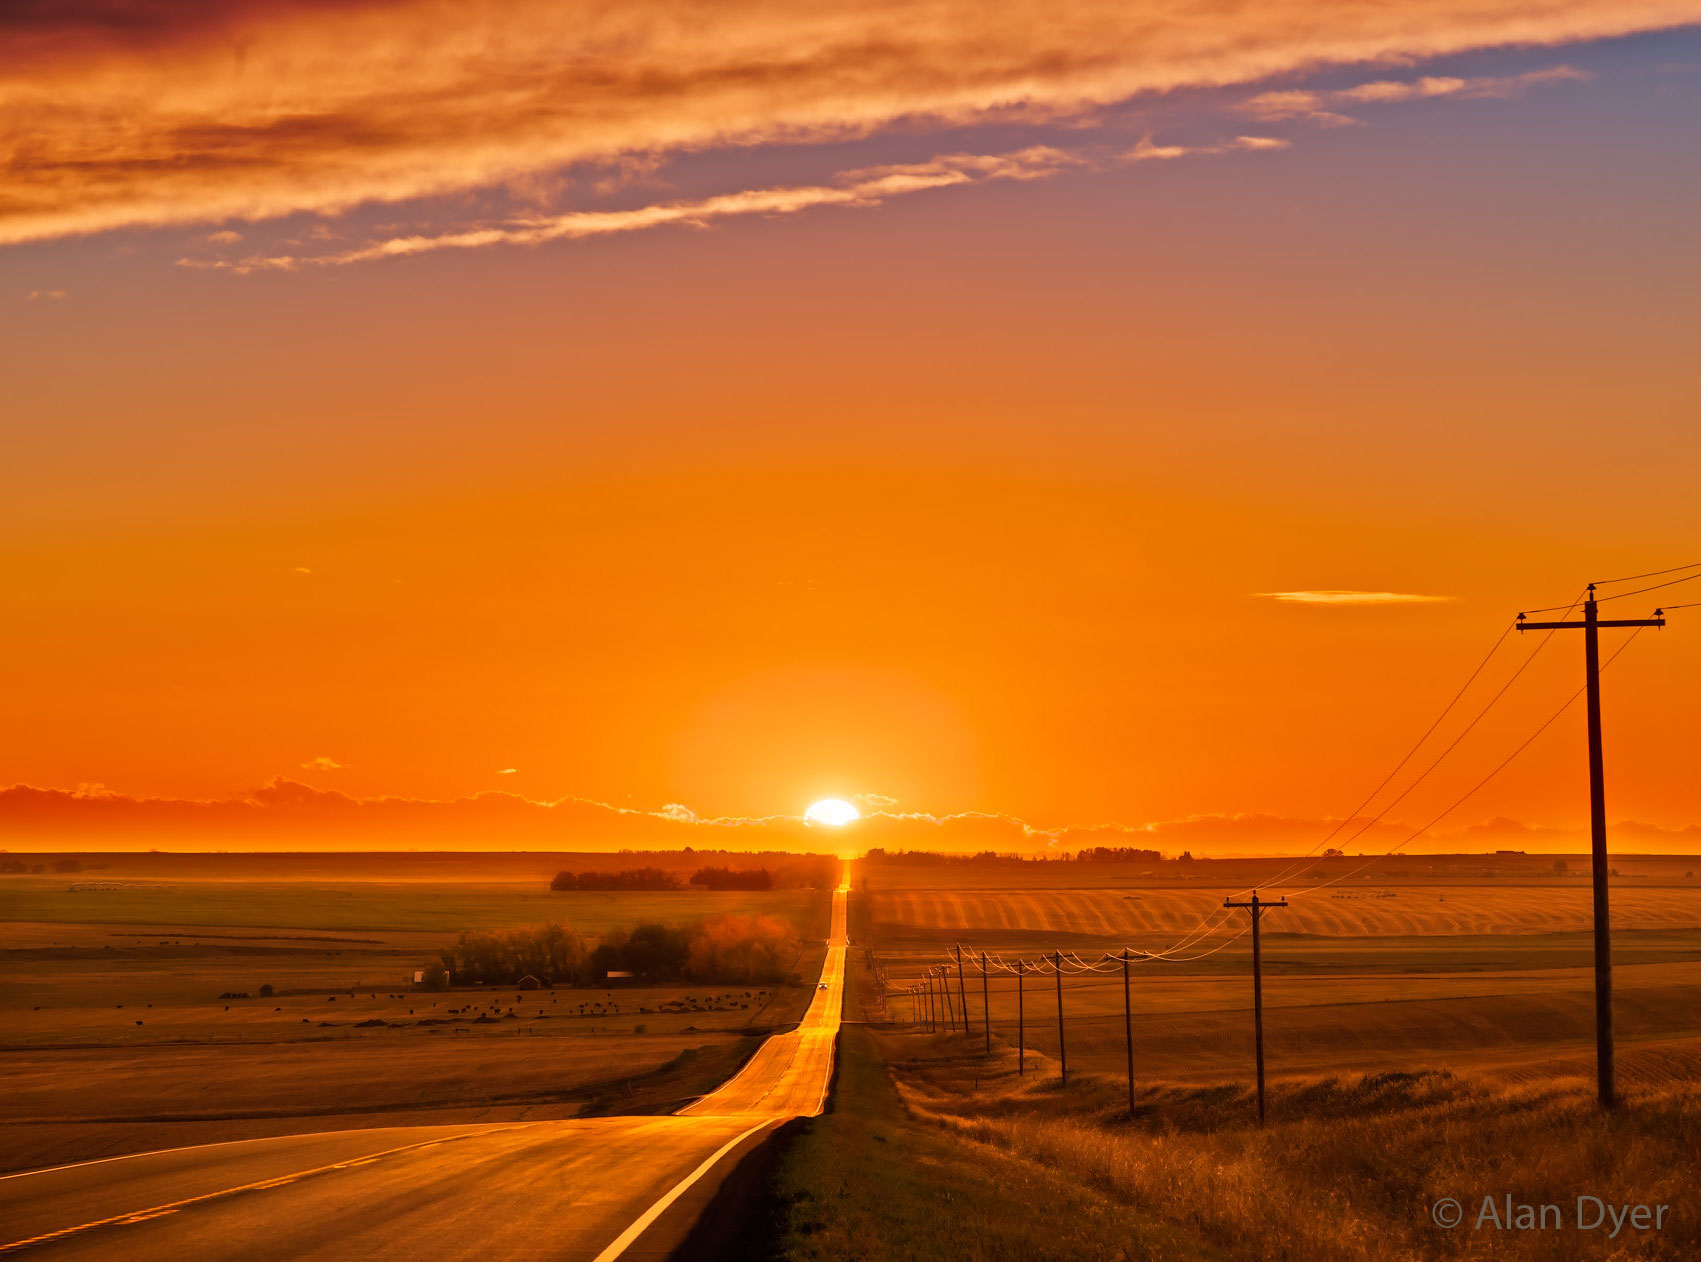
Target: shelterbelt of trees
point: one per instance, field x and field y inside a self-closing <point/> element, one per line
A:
<point x="732" y="949"/>
<point x="807" y="873"/>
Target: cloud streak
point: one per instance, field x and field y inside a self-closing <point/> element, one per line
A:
<point x="1338" y="597"/>
<point x="118" y="113"/>
<point x="1322" y="108"/>
<point x="861" y="188"/>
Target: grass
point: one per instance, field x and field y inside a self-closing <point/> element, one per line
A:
<point x="868" y="1181"/>
<point x="1349" y="1167"/>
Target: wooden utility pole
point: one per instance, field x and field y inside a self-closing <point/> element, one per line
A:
<point x="1257" y="908"/>
<point x="985" y="1004"/>
<point x="1021" y="1024"/>
<point x="950" y="1009"/>
<point x="1062" y="1048"/>
<point x="962" y="992"/>
<point x="1128" y="1029"/>
<point x="1590" y="626"/>
<point x="927" y="981"/>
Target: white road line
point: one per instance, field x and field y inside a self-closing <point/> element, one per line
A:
<point x="624" y="1240"/>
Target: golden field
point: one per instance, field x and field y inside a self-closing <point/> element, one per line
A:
<point x="117" y="1035"/>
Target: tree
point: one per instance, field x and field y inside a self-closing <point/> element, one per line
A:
<point x="436" y="977"/>
<point x="1560" y="867"/>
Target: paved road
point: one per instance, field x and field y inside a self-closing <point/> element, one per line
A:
<point x="585" y="1189"/>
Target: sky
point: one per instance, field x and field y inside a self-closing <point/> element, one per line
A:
<point x="439" y="411"/>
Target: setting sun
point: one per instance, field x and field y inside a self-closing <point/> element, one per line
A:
<point x="832" y="811"/>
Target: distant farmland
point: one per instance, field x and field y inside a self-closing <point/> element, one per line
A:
<point x="1406" y="967"/>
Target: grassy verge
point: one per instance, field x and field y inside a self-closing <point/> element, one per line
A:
<point x="1348" y="1169"/>
<point x="867" y="1181"/>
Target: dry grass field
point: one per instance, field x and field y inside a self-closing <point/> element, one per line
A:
<point x="937" y="1149"/>
<point x="116" y="1033"/>
<point x="1481" y="965"/>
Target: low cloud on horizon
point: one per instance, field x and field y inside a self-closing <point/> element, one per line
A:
<point x="287" y="815"/>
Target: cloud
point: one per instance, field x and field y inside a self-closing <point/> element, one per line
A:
<point x="322" y="763"/>
<point x="299" y="569"/>
<point x="1335" y="597"/>
<point x="117" y="114"/>
<point x="866" y="187"/>
<point x="508" y="771"/>
<point x="224" y="237"/>
<point x="289" y="815"/>
<point x="49" y="295"/>
<point x="872" y="802"/>
<point x="1319" y="107"/>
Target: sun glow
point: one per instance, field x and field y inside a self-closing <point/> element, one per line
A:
<point x="832" y="811"/>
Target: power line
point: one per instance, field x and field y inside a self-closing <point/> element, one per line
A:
<point x="1294" y="870"/>
<point x="1631" y="578"/>
<point x="1652" y="587"/>
<point x="1210" y="923"/>
<point x="1528" y="741"/>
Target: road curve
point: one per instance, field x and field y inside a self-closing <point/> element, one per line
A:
<point x="580" y="1189"/>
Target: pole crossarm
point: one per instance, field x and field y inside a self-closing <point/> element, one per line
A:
<point x="1578" y="626"/>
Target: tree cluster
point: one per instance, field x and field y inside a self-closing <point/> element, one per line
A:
<point x="733" y="878"/>
<point x="717" y="949"/>
<point x="550" y="952"/>
<point x="629" y="879"/>
<point x="1116" y="854"/>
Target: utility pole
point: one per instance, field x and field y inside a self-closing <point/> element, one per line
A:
<point x="1062" y="1050"/>
<point x="985" y="1004"/>
<point x="945" y="990"/>
<point x="1590" y="626"/>
<point x="932" y="1005"/>
<point x="962" y="994"/>
<point x="1257" y="908"/>
<point x="1021" y="1024"/>
<point x="1128" y="1029"/>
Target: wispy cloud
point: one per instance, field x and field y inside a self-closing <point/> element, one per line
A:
<point x="1324" y="108"/>
<point x="868" y="186"/>
<point x="46" y="295"/>
<point x="176" y="112"/>
<point x="323" y="763"/>
<point x="872" y="801"/>
<point x="1329" y="596"/>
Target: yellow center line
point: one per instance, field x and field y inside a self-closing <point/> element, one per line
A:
<point x="171" y="1207"/>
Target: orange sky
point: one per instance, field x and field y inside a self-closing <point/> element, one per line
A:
<point x="921" y="417"/>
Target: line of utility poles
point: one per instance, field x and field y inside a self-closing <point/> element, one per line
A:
<point x="931" y="1001"/>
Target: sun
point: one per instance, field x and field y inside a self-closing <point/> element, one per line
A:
<point x="831" y="811"/>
